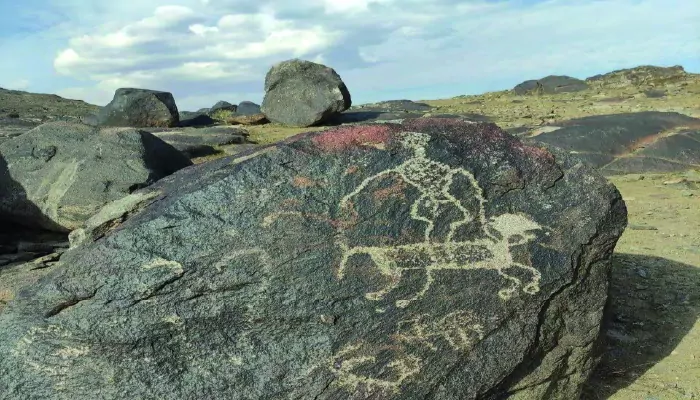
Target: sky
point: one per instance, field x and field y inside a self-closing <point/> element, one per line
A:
<point x="204" y="51"/>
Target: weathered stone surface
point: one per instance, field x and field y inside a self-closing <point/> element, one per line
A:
<point x="435" y="259"/>
<point x="642" y="142"/>
<point x="551" y="84"/>
<point x="303" y="93"/>
<point x="139" y="108"/>
<point x="65" y="172"/>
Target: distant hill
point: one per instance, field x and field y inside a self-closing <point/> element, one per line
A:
<point x="17" y="103"/>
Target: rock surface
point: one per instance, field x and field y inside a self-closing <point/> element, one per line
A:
<point x="203" y="141"/>
<point x="139" y="108"/>
<point x="303" y="93"/>
<point x="433" y="259"/>
<point x="64" y="172"/>
<point x="550" y="85"/>
<point x="643" y="142"/>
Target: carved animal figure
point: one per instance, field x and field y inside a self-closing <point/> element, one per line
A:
<point x="488" y="253"/>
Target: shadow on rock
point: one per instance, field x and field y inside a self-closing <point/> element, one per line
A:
<point x="19" y="243"/>
<point x="653" y="304"/>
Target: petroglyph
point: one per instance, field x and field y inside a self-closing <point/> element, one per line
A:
<point x="433" y="180"/>
<point x="388" y="379"/>
<point x="388" y="365"/>
<point x="159" y="262"/>
<point x="459" y="329"/>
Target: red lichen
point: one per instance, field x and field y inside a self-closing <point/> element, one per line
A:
<point x="345" y="137"/>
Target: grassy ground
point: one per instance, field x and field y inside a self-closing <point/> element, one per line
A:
<point x="509" y="110"/>
<point x="652" y="331"/>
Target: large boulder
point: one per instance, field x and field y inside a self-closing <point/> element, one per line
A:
<point x="436" y="259"/>
<point x="303" y="93"/>
<point x="139" y="108"/>
<point x="551" y="84"/>
<point x="65" y="172"/>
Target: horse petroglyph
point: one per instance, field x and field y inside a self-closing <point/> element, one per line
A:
<point x="433" y="180"/>
<point x="388" y="379"/>
<point x="458" y="328"/>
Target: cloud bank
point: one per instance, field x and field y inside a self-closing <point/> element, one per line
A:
<point x="208" y="50"/>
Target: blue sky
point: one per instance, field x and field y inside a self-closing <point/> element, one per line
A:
<point x="208" y="50"/>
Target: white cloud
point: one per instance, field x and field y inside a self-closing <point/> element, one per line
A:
<point x="17" y="84"/>
<point x="350" y="6"/>
<point x="203" y="49"/>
